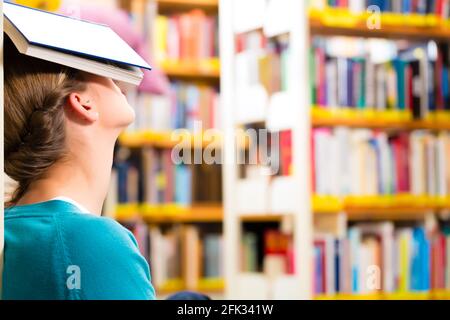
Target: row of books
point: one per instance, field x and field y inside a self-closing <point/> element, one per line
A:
<point x="370" y="258"/>
<point x="269" y="251"/>
<point x="150" y="177"/>
<point x="187" y="104"/>
<point x="382" y="257"/>
<point x="262" y="61"/>
<point x="417" y="80"/>
<point x="440" y="8"/>
<point x="188" y="36"/>
<point x="181" y="254"/>
<point x="365" y="162"/>
<point x="277" y="154"/>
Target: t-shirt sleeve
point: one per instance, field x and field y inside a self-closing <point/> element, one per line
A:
<point x="103" y="261"/>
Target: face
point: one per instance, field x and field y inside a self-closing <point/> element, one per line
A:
<point x="110" y="102"/>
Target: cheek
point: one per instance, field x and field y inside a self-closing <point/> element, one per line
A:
<point x="117" y="113"/>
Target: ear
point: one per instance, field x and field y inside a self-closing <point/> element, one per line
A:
<point x="83" y="107"/>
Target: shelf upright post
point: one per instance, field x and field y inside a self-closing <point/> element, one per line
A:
<point x="299" y="101"/>
<point x="231" y="225"/>
<point x="300" y="95"/>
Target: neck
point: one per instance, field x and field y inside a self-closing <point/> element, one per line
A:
<point x="85" y="179"/>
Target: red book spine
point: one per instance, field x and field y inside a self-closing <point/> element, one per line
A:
<point x="197" y="35"/>
<point x="439" y="7"/>
<point x="343" y="4"/>
<point x="433" y="264"/>
<point x="185" y="27"/>
<point x="406" y="167"/>
<point x="313" y="162"/>
<point x="401" y="156"/>
<point x="442" y="254"/>
<point x="290" y="258"/>
<point x="211" y="34"/>
<point x="397" y="162"/>
<point x="320" y="81"/>
<point x="239" y="43"/>
<point x="286" y="152"/>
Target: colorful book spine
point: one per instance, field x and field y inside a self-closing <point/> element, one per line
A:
<point x="184" y="255"/>
<point x="188" y="36"/>
<point x="152" y="179"/>
<point x="374" y="163"/>
<point x="413" y="80"/>
<point x="437" y="8"/>
<point x="418" y="261"/>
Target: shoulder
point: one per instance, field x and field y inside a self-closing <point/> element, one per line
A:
<point x="107" y="256"/>
<point x="83" y="228"/>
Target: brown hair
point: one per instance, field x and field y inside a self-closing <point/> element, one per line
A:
<point x="35" y="95"/>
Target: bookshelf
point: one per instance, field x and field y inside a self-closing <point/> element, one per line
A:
<point x="178" y="230"/>
<point x="239" y="282"/>
<point x="298" y="216"/>
<point x="174" y="5"/>
<point x="323" y="24"/>
<point x="205" y="70"/>
<point x="194" y="214"/>
<point x="383" y="120"/>
<point x="356" y="209"/>
<point x="166" y="139"/>
<point x="395" y="296"/>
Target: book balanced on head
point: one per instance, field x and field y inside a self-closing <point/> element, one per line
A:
<point x="73" y="43"/>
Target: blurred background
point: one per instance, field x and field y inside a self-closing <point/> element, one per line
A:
<point x="358" y="94"/>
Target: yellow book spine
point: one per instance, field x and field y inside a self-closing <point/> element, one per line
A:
<point x="161" y="31"/>
<point x="404" y="263"/>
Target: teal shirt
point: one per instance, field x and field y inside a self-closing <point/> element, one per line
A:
<point x="55" y="252"/>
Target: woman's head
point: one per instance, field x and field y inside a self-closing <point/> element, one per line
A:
<point x="50" y="110"/>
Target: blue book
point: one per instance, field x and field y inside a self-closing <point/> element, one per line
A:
<point x="337" y="264"/>
<point x="415" y="262"/>
<point x="211" y="256"/>
<point x="183" y="185"/>
<point x="406" y="7"/>
<point x="122" y="178"/>
<point x="420" y="262"/>
<point x="400" y="67"/>
<point x="382" y="4"/>
<point x="74" y="43"/>
<point x="192" y="105"/>
<point x="373" y="143"/>
<point x="446" y="88"/>
<point x="318" y="284"/>
<point x="350" y="83"/>
<point x="431" y="85"/>
<point x="354" y="235"/>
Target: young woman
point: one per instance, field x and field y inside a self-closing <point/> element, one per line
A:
<point x="61" y="126"/>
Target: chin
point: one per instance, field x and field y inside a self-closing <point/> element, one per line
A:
<point x="128" y="118"/>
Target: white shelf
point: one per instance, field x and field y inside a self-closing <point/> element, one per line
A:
<point x="248" y="15"/>
<point x="252" y="286"/>
<point x="252" y="196"/>
<point x="252" y="104"/>
<point x="281" y="199"/>
<point x="280" y="114"/>
<point x="282" y="111"/>
<point x="278" y="18"/>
